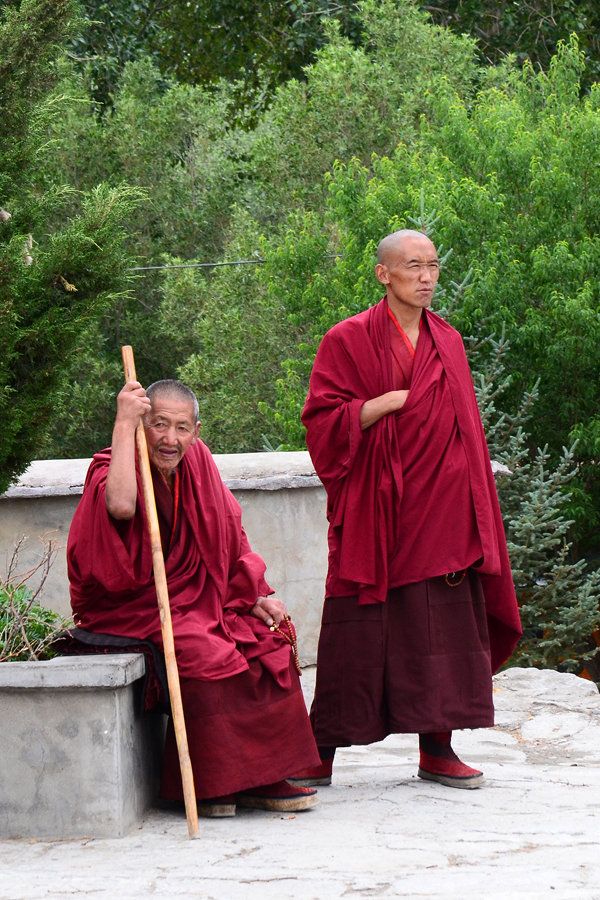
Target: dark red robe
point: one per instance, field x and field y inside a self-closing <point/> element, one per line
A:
<point x="245" y="714"/>
<point x="412" y="497"/>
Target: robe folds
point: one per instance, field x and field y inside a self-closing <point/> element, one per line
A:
<point x="239" y="685"/>
<point x="412" y="497"/>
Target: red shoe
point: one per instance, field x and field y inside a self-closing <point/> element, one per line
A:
<point x="451" y="772"/>
<point x="317" y="775"/>
<point x="217" y="807"/>
<point x="278" y="797"/>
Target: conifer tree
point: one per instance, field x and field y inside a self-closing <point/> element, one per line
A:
<point x="559" y="595"/>
<point x="58" y="269"/>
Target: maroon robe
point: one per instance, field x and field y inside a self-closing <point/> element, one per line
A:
<point x="412" y="497"/>
<point x="245" y="715"/>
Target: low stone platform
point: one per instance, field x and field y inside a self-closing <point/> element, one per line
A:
<point x="77" y="756"/>
<point x="532" y="832"/>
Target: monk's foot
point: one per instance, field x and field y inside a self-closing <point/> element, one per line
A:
<point x="316" y="776"/>
<point x="452" y="774"/>
<point x="217" y="807"/>
<point x="438" y="762"/>
<point x="279" y="797"/>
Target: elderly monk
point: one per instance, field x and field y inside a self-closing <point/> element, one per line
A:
<point x="246" y="720"/>
<point x="420" y="606"/>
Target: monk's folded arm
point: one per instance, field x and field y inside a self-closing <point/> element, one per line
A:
<point x="121" y="487"/>
<point x="373" y="410"/>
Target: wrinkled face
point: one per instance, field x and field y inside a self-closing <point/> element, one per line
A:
<point x="410" y="272"/>
<point x="170" y="429"/>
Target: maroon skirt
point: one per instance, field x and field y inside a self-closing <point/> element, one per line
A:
<point x="418" y="663"/>
<point x="242" y="731"/>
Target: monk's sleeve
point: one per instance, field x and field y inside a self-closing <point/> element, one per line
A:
<point x="102" y="551"/>
<point x="331" y="413"/>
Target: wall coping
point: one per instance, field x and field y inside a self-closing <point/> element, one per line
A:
<point x="240" y="471"/>
<point x="109" y="671"/>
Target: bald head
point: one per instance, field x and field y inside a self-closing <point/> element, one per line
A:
<point x="408" y="266"/>
<point x="176" y="389"/>
<point x="389" y="247"/>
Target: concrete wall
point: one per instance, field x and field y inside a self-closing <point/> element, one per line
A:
<point x="283" y="509"/>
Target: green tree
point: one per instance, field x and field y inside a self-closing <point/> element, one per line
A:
<point x="558" y="594"/>
<point x="177" y="143"/>
<point x="57" y="272"/>
<point x="352" y="103"/>
<point x="256" y="45"/>
<point x="243" y="331"/>
<point x="176" y="140"/>
<point x="262" y="44"/>
<point x="514" y="177"/>
<point x="528" y="31"/>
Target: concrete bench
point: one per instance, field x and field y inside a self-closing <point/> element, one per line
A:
<point x="78" y="757"/>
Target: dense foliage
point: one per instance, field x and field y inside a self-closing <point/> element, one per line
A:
<point x="514" y="178"/>
<point x="558" y="594"/>
<point x="259" y="44"/>
<point x="215" y="190"/>
<point x="529" y="31"/>
<point x="286" y="146"/>
<point x="61" y="259"/>
<point x="256" y="45"/>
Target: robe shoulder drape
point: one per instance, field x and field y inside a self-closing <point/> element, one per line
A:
<point x="213" y="576"/>
<point x="364" y="472"/>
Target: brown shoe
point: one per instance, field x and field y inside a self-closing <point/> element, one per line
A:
<point x="278" y="797"/>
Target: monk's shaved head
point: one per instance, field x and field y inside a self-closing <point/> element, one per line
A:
<point x="171" y="388"/>
<point x="408" y="266"/>
<point x="390" y="245"/>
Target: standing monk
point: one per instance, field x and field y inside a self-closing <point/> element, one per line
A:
<point x="246" y="721"/>
<point x="420" y="606"/>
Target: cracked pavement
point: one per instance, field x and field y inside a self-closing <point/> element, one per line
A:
<point x="532" y="831"/>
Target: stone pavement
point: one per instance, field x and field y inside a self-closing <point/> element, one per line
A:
<point x="532" y="831"/>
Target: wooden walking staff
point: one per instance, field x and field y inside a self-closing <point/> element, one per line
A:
<point x="162" y="595"/>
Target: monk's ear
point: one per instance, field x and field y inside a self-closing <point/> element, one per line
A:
<point x="382" y="274"/>
<point x="196" y="432"/>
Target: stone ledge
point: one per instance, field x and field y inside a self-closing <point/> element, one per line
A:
<point x="107" y="672"/>
<point x="240" y="471"/>
<point x="79" y="759"/>
<point x="267" y="471"/>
